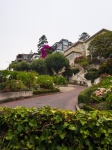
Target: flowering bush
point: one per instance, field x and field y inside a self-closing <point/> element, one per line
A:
<point x="100" y="94"/>
<point x="29" y="78"/>
<point x="14" y="85"/>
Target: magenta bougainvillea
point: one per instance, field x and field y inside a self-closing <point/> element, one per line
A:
<point x="44" y="50"/>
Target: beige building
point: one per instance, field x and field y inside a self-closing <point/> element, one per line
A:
<point x="80" y="48"/>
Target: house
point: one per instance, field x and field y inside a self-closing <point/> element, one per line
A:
<point x="80" y="48"/>
<point x="62" y="45"/>
<point x="27" y="57"/>
<point x="34" y="56"/>
<point x="87" y="42"/>
<point x="74" y="51"/>
<point x="23" y="57"/>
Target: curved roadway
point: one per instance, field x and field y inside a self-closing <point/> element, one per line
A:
<point x="67" y="99"/>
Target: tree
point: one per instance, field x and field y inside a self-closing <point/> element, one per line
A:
<point x="106" y="67"/>
<point x="92" y="74"/>
<point x="55" y="62"/>
<point x="101" y="45"/>
<point x="84" y="36"/>
<point x="22" y="66"/>
<point x="42" y="41"/>
<point x="19" y="66"/>
<point x="38" y="66"/>
<point x="82" y="61"/>
<point x="13" y="65"/>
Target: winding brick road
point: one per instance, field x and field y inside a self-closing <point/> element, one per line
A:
<point x="67" y="99"/>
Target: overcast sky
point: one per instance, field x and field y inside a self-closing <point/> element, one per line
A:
<point x="23" y="22"/>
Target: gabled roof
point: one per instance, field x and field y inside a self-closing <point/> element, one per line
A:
<point x="74" y="45"/>
<point x="73" y="52"/>
<point x="102" y="30"/>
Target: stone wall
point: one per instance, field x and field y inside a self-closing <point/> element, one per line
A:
<point x="8" y="95"/>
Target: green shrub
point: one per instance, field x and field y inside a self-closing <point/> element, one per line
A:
<point x="60" y="80"/>
<point x="53" y="129"/>
<point x="92" y="74"/>
<point x="42" y="91"/>
<point x="45" y="81"/>
<point x="75" y="70"/>
<point x="85" y="96"/>
<point x="2" y="86"/>
<point x="98" y="93"/>
<point x="106" y="82"/>
<point x="29" y="79"/>
<point x="14" y="85"/>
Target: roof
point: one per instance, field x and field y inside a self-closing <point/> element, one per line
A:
<point x="74" y="45"/>
<point x="73" y="52"/>
<point x="102" y="30"/>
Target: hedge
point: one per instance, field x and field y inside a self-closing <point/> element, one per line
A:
<point x="43" y="91"/>
<point x="84" y="96"/>
<point x="53" y="129"/>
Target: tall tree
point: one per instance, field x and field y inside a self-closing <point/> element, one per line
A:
<point x="42" y="41"/>
<point x="55" y="62"/>
<point x="38" y="66"/>
<point x="84" y="36"/>
<point x="101" y="45"/>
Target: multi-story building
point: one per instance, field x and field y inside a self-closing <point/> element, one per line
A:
<point x="23" y="57"/>
<point x="62" y="45"/>
<point x="27" y="57"/>
<point x="80" y="48"/>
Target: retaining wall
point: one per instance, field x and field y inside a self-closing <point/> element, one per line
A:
<point x="8" y="95"/>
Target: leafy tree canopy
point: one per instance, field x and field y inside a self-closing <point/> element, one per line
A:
<point x="101" y="45"/>
<point x="106" y="67"/>
<point x="19" y="66"/>
<point x="55" y="62"/>
<point x="38" y="66"/>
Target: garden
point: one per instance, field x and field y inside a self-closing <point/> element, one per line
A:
<point x="17" y="81"/>
<point x="98" y="96"/>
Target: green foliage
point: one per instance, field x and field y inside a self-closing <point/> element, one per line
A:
<point x="75" y="70"/>
<point x="101" y="45"/>
<point x="92" y="74"/>
<point x="106" y="67"/>
<point x="60" y="80"/>
<point x="54" y="129"/>
<point x="2" y="86"/>
<point x="43" y="91"/>
<point x="42" y="41"/>
<point x="45" y="81"/>
<point x="106" y="82"/>
<point x="55" y="62"/>
<point x="67" y="71"/>
<point x="13" y="65"/>
<point x="22" y="66"/>
<point x="98" y="93"/>
<point x="83" y="61"/>
<point x="29" y="79"/>
<point x="14" y="85"/>
<point x="38" y="66"/>
<point x="85" y="96"/>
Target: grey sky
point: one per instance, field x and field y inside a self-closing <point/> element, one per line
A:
<point x="23" y="22"/>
